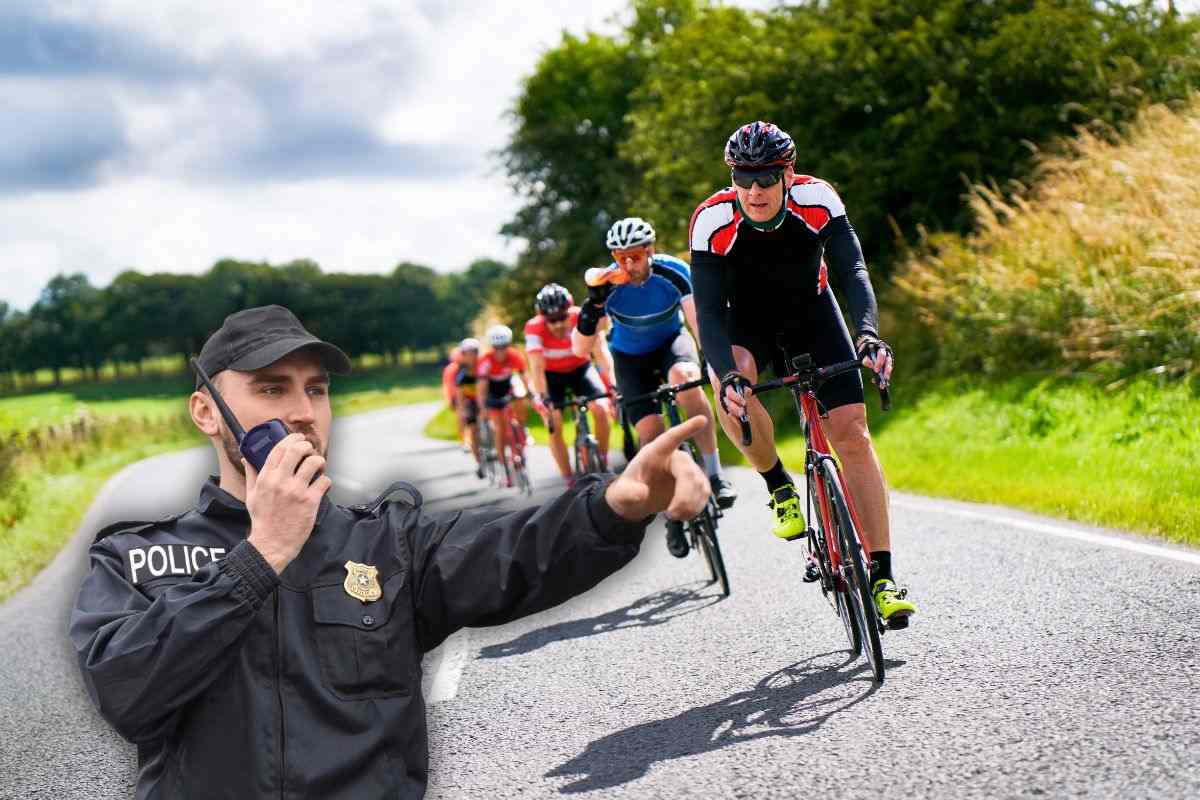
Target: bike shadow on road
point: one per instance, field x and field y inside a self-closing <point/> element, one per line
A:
<point x="794" y="701"/>
<point x="653" y="609"/>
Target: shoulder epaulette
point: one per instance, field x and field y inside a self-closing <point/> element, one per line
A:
<point x="372" y="508"/>
<point x="128" y="526"/>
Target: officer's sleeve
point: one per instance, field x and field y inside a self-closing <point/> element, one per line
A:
<point x="483" y="568"/>
<point x="143" y="659"/>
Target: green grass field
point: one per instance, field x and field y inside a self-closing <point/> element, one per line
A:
<point x="1065" y="448"/>
<point x="41" y="506"/>
<point x="157" y="397"/>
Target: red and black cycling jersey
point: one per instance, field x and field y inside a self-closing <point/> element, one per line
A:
<point x="763" y="277"/>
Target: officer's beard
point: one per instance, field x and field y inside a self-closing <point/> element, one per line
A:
<point x="230" y="445"/>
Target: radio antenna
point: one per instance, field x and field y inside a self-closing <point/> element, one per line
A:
<point x="226" y="412"/>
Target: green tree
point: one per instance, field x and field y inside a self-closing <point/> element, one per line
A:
<point x="898" y="104"/>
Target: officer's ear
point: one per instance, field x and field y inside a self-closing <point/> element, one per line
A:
<point x="205" y="415"/>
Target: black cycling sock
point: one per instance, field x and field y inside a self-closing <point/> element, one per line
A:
<point x="881" y="565"/>
<point x="776" y="477"/>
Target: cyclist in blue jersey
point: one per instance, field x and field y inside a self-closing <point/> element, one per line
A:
<point x="649" y="344"/>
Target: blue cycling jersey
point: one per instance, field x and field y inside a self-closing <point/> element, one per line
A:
<point x="646" y="317"/>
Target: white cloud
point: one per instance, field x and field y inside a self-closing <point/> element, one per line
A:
<point x="248" y="146"/>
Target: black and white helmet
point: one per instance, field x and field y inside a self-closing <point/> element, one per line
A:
<point x="499" y="336"/>
<point x="553" y="299"/>
<point x="759" y="145"/>
<point x="469" y="345"/>
<point x="629" y="232"/>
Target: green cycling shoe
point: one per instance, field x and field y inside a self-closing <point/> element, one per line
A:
<point x="789" y="518"/>
<point x="894" y="607"/>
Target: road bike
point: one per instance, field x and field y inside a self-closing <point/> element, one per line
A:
<point x="701" y="529"/>
<point x="489" y="460"/>
<point x="838" y="556"/>
<point x="513" y="463"/>
<point x="586" y="447"/>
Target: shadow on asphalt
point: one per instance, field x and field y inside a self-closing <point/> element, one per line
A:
<point x="653" y="609"/>
<point x="794" y="701"/>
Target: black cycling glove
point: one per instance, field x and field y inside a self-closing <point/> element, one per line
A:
<point x="869" y="346"/>
<point x="592" y="309"/>
<point x="738" y="381"/>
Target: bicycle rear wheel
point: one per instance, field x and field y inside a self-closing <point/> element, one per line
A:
<point x="705" y="530"/>
<point x="835" y="590"/>
<point x="857" y="574"/>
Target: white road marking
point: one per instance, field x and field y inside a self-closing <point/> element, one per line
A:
<point x="1053" y="530"/>
<point x="449" y="672"/>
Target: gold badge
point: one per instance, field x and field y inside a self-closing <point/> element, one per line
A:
<point x="362" y="582"/>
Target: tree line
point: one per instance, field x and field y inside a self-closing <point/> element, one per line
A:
<point x="137" y="316"/>
<point x="902" y="106"/>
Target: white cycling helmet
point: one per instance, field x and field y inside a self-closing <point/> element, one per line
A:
<point x="469" y="345"/>
<point x="499" y="336"/>
<point x="629" y="232"/>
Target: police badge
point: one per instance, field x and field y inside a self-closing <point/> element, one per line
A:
<point x="362" y="582"/>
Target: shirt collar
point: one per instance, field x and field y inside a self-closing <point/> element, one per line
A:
<point x="216" y="502"/>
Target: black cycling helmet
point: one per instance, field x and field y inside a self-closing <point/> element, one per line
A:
<point x="553" y="299"/>
<point x="759" y="146"/>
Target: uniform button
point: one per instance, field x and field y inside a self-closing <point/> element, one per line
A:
<point x="368" y="619"/>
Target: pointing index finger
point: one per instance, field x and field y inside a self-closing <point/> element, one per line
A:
<point x="677" y="435"/>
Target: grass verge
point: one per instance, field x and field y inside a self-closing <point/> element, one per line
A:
<point x="45" y="500"/>
<point x="1062" y="447"/>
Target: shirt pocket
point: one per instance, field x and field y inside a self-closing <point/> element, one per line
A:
<point x="366" y="649"/>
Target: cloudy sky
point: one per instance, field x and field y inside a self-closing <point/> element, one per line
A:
<point x="163" y="136"/>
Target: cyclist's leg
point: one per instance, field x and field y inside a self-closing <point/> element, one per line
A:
<point x="520" y="400"/>
<point x="470" y="418"/>
<point x="556" y="391"/>
<point x="761" y="452"/>
<point x="681" y="364"/>
<point x="638" y="374"/>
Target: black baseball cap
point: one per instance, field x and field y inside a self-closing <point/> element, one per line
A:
<point x="257" y="337"/>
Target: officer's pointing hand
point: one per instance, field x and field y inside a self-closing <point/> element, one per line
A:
<point x="662" y="478"/>
<point x="283" y="499"/>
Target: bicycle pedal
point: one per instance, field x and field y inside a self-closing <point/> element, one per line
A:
<point x="812" y="573"/>
<point x="898" y="622"/>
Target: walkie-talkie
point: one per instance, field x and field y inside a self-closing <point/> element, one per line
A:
<point x="254" y="444"/>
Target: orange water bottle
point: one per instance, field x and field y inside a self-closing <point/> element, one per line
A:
<point x="597" y="276"/>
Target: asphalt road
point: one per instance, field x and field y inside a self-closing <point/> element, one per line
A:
<point x="1040" y="665"/>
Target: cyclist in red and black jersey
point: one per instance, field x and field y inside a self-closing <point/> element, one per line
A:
<point x="500" y="377"/>
<point x="762" y="250"/>
<point x="554" y="369"/>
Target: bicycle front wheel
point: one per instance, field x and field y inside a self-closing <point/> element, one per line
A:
<point x="857" y="573"/>
<point x="705" y="529"/>
<point x="833" y="587"/>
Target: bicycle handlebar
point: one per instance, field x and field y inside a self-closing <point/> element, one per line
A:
<point x="663" y="391"/>
<point x="577" y="402"/>
<point x="817" y="376"/>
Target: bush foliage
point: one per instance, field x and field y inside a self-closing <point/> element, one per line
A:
<point x="1095" y="270"/>
<point x="900" y="105"/>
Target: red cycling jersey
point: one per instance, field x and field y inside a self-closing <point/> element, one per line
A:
<point x="499" y="371"/>
<point x="557" y="351"/>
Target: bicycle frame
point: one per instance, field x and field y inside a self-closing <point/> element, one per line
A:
<point x="802" y="384"/>
<point x="583" y="429"/>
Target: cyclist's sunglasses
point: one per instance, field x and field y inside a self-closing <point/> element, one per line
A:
<point x="766" y="180"/>
<point x="557" y="317"/>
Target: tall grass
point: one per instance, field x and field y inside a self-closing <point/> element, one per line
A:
<point x="1095" y="271"/>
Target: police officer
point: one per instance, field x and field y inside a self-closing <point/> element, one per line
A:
<point x="267" y="643"/>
